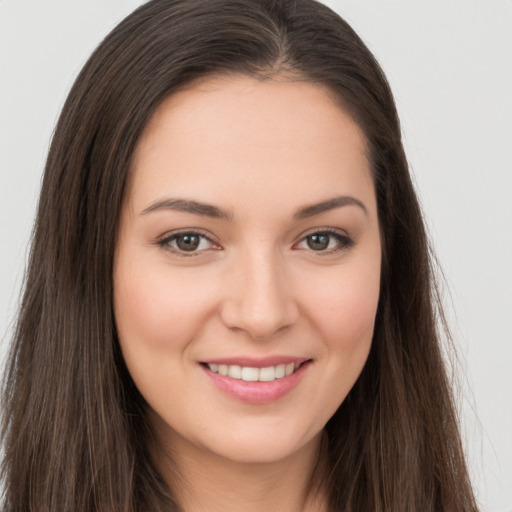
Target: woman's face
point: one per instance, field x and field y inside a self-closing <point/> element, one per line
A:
<point x="248" y="264"/>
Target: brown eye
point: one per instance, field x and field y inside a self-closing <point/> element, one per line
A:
<point x="188" y="242"/>
<point x="319" y="241"/>
<point x="326" y="242"/>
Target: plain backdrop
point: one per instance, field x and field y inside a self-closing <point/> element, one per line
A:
<point x="449" y="63"/>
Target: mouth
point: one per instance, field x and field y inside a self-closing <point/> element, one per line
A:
<point x="253" y="373"/>
<point x="256" y="381"/>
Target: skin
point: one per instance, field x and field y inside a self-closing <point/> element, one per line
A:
<point x="259" y="150"/>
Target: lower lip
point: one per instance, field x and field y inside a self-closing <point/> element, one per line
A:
<point x="257" y="392"/>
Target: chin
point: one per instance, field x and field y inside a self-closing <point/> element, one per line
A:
<point x="262" y="446"/>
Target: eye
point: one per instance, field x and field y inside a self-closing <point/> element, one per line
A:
<point x="326" y="241"/>
<point x="187" y="243"/>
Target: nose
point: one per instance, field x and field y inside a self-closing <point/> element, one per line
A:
<point x="258" y="297"/>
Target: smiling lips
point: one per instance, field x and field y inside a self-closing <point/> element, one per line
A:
<point x="256" y="381"/>
<point x="251" y="374"/>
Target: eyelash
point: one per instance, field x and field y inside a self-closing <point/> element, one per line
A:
<point x="344" y="242"/>
<point x="165" y="242"/>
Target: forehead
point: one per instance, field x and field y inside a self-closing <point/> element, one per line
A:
<point x="240" y="137"/>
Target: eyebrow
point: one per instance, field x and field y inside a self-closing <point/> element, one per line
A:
<point x="188" y="206"/>
<point x="208" y="210"/>
<point x="330" y="204"/>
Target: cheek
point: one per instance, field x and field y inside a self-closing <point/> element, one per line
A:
<point x="157" y="314"/>
<point x="356" y="307"/>
<point x="342" y="312"/>
<point x="344" y="306"/>
<point x="156" y="305"/>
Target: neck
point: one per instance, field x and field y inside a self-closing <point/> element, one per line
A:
<point x="210" y="483"/>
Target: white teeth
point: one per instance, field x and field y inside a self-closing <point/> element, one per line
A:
<point x="234" y="371"/>
<point x="280" y="371"/>
<point x="250" y="374"/>
<point x="267" y="374"/>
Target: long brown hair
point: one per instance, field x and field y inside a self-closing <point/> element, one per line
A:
<point x="75" y="433"/>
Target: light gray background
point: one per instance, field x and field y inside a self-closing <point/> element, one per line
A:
<point x="450" y="65"/>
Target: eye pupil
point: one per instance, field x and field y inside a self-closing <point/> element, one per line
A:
<point x="188" y="242"/>
<point x="318" y="241"/>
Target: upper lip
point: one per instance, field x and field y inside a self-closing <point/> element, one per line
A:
<point x="257" y="362"/>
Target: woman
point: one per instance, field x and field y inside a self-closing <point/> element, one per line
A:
<point x="230" y="301"/>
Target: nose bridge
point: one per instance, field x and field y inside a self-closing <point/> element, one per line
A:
<point x="259" y="299"/>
